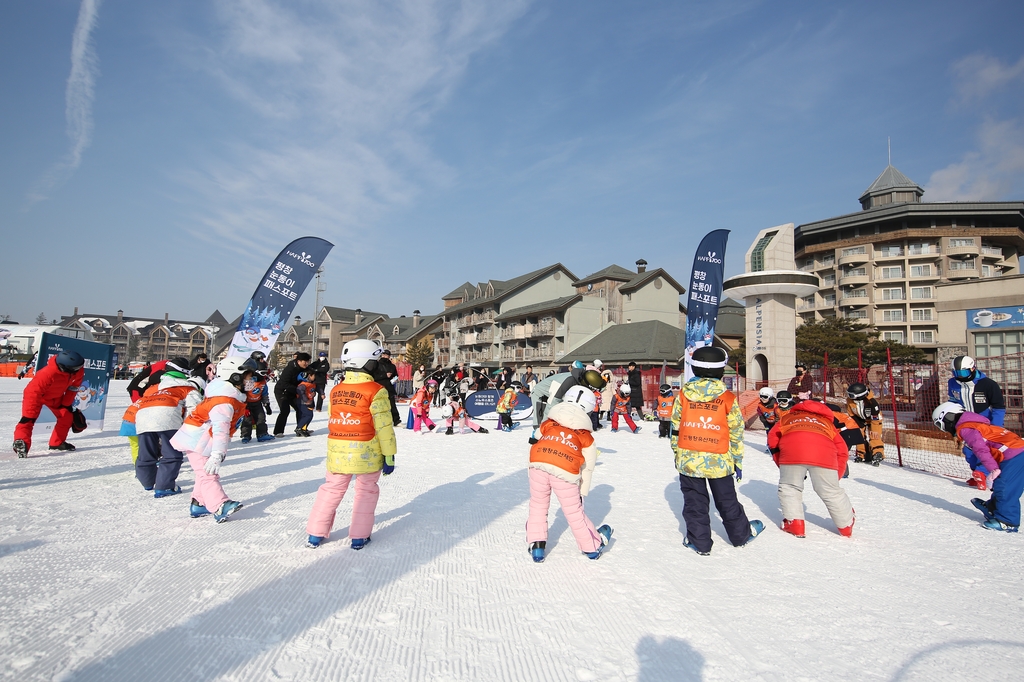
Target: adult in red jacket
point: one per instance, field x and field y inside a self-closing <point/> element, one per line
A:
<point x="53" y="386"/>
<point x="806" y="443"/>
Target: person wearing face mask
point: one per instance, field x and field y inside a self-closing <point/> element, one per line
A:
<point x="285" y="391"/>
<point x="802" y="384"/>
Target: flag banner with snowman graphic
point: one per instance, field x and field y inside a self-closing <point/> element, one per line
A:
<point x="275" y="298"/>
<point x="705" y="292"/>
<point x="91" y="398"/>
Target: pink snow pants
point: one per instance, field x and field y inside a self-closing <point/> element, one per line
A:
<point x="421" y="420"/>
<point x="568" y="494"/>
<point x="207" y="491"/>
<point x="329" y="496"/>
<point x="465" y="423"/>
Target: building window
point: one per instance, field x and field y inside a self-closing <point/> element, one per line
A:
<point x="892" y="315"/>
<point x="955" y="243"/>
<point x="921" y="249"/>
<point x="991" y="344"/>
<point x="920" y="270"/>
<point x="925" y="336"/>
<point x="857" y="293"/>
<point x="920" y="292"/>
<point x="757" y="255"/>
<point x="962" y="264"/>
<point x="830" y="299"/>
<point x="892" y="294"/>
<point x="990" y="271"/>
<point x="828" y="280"/>
<point x="892" y="250"/>
<point x="892" y="272"/>
<point x="828" y="261"/>
<point x="855" y="272"/>
<point x="857" y="314"/>
<point x="893" y="336"/>
<point x="854" y="251"/>
<point x="922" y="314"/>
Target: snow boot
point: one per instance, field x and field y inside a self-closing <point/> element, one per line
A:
<point x="63" y="447"/>
<point x="197" y="510"/>
<point x="359" y="543"/>
<point x="450" y="432"/>
<point x="265" y="438"/>
<point x="605" y="532"/>
<point x="226" y="510"/>
<point x="431" y="427"/>
<point x="794" y="527"/>
<point x="690" y="545"/>
<point x="313" y="541"/>
<point x="996" y="524"/>
<point x="481" y="430"/>
<point x="877" y="459"/>
<point x="636" y="430"/>
<point x="848" y="531"/>
<point x="537" y="551"/>
<point x="306" y="432"/>
<point x="167" y="493"/>
<point x="755" y="529"/>
<point x="20" y="449"/>
<point x="246" y="440"/>
<point x="983" y="507"/>
<point x="977" y="480"/>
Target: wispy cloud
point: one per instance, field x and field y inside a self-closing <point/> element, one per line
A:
<point x="341" y="95"/>
<point x="78" y="97"/>
<point x="995" y="169"/>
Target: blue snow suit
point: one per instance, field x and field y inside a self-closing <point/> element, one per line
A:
<point x="979" y="395"/>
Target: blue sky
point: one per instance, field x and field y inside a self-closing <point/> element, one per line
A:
<point x="154" y="157"/>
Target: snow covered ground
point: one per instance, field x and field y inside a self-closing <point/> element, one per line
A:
<point x="102" y="582"/>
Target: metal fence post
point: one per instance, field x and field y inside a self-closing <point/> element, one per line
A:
<point x="895" y="410"/>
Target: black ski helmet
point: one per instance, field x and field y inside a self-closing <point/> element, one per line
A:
<point x="708" y="361"/>
<point x="665" y="390"/>
<point x="857" y="391"/>
<point x="784" y="399"/>
<point x="70" y="361"/>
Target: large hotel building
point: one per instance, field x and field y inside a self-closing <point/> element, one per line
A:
<point x="885" y="264"/>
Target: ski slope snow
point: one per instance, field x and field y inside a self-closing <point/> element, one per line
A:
<point x="102" y="582"/>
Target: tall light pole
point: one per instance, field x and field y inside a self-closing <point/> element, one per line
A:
<point x="320" y="288"/>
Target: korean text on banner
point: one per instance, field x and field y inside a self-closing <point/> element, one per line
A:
<point x="277" y="294"/>
<point x="92" y="392"/>
<point x="705" y="292"/>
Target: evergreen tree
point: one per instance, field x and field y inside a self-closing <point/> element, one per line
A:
<point x="419" y="353"/>
<point x="41" y="318"/>
<point x="837" y="336"/>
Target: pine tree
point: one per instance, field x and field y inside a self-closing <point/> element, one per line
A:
<point x="419" y="353"/>
<point x="41" y="318"/>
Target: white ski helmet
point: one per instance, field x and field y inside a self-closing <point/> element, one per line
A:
<point x="598" y="364"/>
<point x="582" y="397"/>
<point x="359" y="354"/>
<point x="232" y="371"/>
<point x="963" y="368"/>
<point x="766" y="393"/>
<point x="625" y="389"/>
<point x="447" y="412"/>
<point x="946" y="415"/>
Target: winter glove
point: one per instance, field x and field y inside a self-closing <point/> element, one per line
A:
<point x="267" y="409"/>
<point x="78" y="423"/>
<point x="389" y="465"/>
<point x="213" y="464"/>
<point x="739" y="474"/>
<point x="992" y="478"/>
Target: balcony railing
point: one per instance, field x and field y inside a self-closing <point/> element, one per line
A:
<point x="968" y="250"/>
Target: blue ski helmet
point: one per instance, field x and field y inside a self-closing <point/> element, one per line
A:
<point x="70" y="361"/>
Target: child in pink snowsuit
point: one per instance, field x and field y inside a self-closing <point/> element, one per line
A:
<point x="459" y="415"/>
<point x="360" y="446"/>
<point x="420" y="407"/>
<point x="205" y="435"/>
<point x="563" y="460"/>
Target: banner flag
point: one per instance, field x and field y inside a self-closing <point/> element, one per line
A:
<point x="92" y="392"/>
<point x="275" y="298"/>
<point x="705" y="292"/>
<point x="483" y="404"/>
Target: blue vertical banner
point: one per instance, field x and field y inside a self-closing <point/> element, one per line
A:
<point x="275" y="298"/>
<point x="92" y="392"/>
<point x="705" y="292"/>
